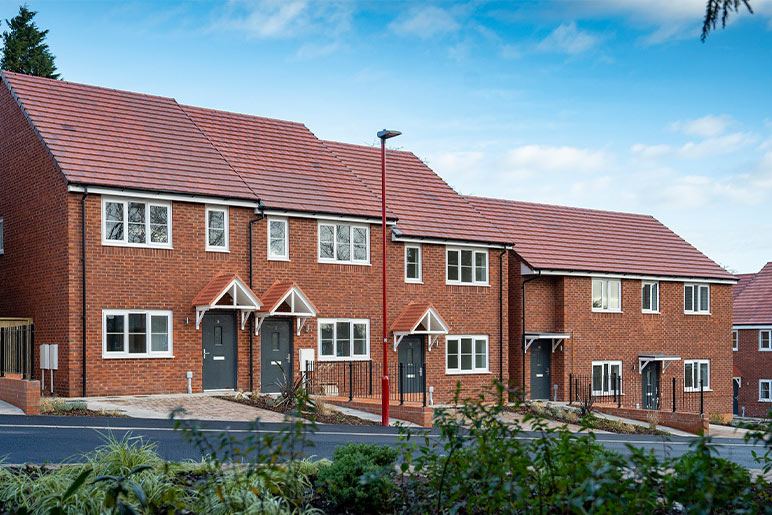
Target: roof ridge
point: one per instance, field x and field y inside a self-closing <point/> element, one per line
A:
<point x="216" y="148"/>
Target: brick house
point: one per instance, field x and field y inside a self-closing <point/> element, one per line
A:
<point x="752" y="343"/>
<point x="161" y="245"/>
<point x="604" y="295"/>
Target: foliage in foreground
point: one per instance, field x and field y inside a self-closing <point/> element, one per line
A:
<point x="474" y="462"/>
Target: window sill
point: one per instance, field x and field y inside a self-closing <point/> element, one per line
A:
<point x="595" y="310"/>
<point x="765" y="350"/>
<point x="106" y="243"/>
<point x="275" y="258"/>
<point x="413" y="281"/>
<point x="215" y="249"/>
<point x="333" y="262"/>
<point x="647" y="312"/>
<point x="343" y="358"/>
<point x="696" y="390"/>
<point x="135" y="356"/>
<point x="609" y="394"/>
<point x="458" y="283"/>
<point x="765" y="400"/>
<point x="704" y="313"/>
<point x="466" y="372"/>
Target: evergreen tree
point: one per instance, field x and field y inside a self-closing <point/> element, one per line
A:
<point x="716" y="9"/>
<point x="25" y="49"/>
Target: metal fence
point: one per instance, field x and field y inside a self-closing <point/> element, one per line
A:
<point x="670" y="394"/>
<point x="362" y="380"/>
<point x="17" y="344"/>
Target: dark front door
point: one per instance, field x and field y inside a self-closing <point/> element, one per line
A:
<point x="219" y="344"/>
<point x="541" y="354"/>
<point x="735" y="396"/>
<point x="275" y="354"/>
<point x="411" y="363"/>
<point x="650" y="385"/>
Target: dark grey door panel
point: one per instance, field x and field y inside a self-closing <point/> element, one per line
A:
<point x="411" y="357"/>
<point x="219" y="350"/>
<point x="650" y="385"/>
<point x="275" y="353"/>
<point x="541" y="355"/>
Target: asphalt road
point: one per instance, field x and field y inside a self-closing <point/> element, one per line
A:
<point x="50" y="439"/>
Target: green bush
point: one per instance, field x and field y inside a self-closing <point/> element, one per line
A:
<point x="359" y="477"/>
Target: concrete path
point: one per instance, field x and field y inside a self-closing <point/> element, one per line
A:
<point x="9" y="409"/>
<point x="721" y="431"/>
<point x="200" y="406"/>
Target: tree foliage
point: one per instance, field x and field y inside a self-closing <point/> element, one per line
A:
<point x="720" y="9"/>
<point x="24" y="47"/>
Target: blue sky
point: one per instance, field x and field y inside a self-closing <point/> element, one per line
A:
<point x="608" y="104"/>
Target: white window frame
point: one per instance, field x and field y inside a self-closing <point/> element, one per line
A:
<point x="653" y="307"/>
<point x="285" y="255"/>
<point x="226" y="226"/>
<point x="2" y="236"/>
<point x="696" y="377"/>
<point x="419" y="265"/>
<point x="697" y="289"/>
<point x="735" y="340"/>
<point x="769" y="385"/>
<point x="605" y="285"/>
<point x="148" y="203"/>
<point x="169" y="353"/>
<point x="610" y="363"/>
<point x="474" y="369"/>
<point x="768" y="333"/>
<point x="351" y="226"/>
<point x="334" y="322"/>
<point x="474" y="251"/>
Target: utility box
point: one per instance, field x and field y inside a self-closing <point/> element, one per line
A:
<point x="44" y="356"/>
<point x="53" y="357"/>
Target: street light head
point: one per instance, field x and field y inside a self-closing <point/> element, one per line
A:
<point x="386" y="134"/>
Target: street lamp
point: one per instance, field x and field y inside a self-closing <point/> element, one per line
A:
<point x="384" y="135"/>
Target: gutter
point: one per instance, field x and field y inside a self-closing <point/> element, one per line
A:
<point x="260" y="216"/>
<point x="83" y="279"/>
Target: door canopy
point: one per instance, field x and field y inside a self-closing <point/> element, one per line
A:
<point x="419" y="318"/>
<point x="226" y="291"/>
<point x="556" y="338"/>
<point x="285" y="299"/>
<point x="645" y="359"/>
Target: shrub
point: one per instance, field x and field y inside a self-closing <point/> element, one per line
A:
<point x="360" y="476"/>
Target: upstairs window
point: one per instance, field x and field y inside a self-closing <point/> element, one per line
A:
<point x="412" y="263"/>
<point x="344" y="243"/>
<point x="696" y="370"/>
<point x="606" y="295"/>
<point x="765" y="340"/>
<point x="467" y="266"/>
<point x="217" y="229"/>
<point x="344" y="339"/>
<point x="735" y="340"/>
<point x="136" y="334"/>
<point x="650" y="297"/>
<point x="136" y="223"/>
<point x="278" y="242"/>
<point x="696" y="299"/>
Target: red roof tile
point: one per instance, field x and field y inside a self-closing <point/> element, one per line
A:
<point x="286" y="164"/>
<point x="573" y="239"/>
<point x="107" y="137"/>
<point x="276" y="292"/>
<point x="424" y="203"/>
<point x="411" y="316"/>
<point x="753" y="305"/>
<point x="212" y="291"/>
<point x="743" y="280"/>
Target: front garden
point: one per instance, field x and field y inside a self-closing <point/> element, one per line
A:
<point x="477" y="463"/>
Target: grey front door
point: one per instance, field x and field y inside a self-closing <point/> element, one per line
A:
<point x="650" y="385"/>
<point x="735" y="396"/>
<point x="541" y="353"/>
<point x="275" y="353"/>
<point x="219" y="345"/>
<point x="411" y="362"/>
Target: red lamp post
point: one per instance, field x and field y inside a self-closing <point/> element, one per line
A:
<point x="384" y="135"/>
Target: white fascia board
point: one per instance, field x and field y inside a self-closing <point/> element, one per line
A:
<point x="324" y="216"/>
<point x="664" y="278"/>
<point x="454" y="243"/>
<point x="197" y="199"/>
<point x="752" y="326"/>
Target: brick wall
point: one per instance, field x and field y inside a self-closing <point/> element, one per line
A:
<point x="139" y="278"/>
<point x="22" y="393"/>
<point x="623" y="336"/>
<point x="753" y="366"/>
<point x="33" y="269"/>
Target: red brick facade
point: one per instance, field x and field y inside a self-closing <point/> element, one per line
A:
<point x="562" y="304"/>
<point x="752" y="365"/>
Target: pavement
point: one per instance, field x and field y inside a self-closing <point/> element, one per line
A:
<point x="9" y="409"/>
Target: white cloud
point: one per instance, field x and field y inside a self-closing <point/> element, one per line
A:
<point x="706" y="127"/>
<point x="699" y="149"/>
<point x="286" y="18"/>
<point x="425" y="22"/>
<point x="532" y="160"/>
<point x="567" y="38"/>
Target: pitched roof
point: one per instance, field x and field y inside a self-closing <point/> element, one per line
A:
<point x="215" y="288"/>
<point x="753" y="305"/>
<point x="278" y="292"/>
<point x="107" y="137"/>
<point x="413" y="314"/>
<point x="572" y="239"/>
<point x="286" y="164"/>
<point x="743" y="280"/>
<point x="425" y="205"/>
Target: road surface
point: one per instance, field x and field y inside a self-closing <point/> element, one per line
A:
<point x="56" y="439"/>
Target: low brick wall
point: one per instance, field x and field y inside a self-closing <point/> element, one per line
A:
<point x="21" y="393"/>
<point x="690" y="422"/>
<point x="416" y="414"/>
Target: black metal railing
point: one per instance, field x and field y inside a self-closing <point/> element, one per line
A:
<point x="17" y="348"/>
<point x="670" y="394"/>
<point x="362" y="380"/>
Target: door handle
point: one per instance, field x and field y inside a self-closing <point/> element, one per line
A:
<point x="205" y="353"/>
